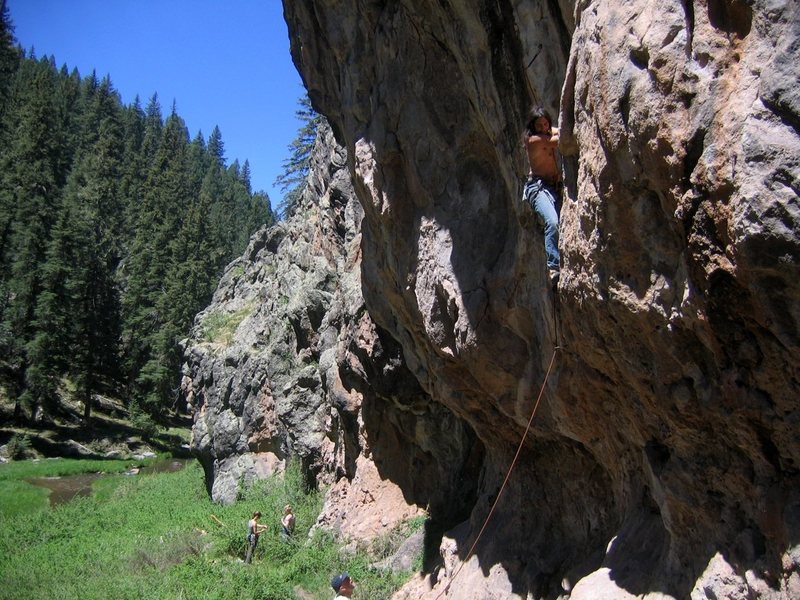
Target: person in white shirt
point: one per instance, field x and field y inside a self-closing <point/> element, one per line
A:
<point x="287" y="522"/>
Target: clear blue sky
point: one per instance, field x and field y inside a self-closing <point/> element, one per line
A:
<point x="224" y="62"/>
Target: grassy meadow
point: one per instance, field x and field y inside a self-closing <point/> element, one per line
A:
<point x="160" y="536"/>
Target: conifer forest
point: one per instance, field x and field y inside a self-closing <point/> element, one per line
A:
<point x="115" y="226"/>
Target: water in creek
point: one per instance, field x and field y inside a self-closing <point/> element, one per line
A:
<point x="65" y="488"/>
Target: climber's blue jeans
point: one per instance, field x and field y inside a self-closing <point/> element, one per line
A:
<point x="545" y="201"/>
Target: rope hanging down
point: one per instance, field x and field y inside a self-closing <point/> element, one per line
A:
<point x="508" y="476"/>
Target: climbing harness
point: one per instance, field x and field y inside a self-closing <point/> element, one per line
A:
<point x="508" y="476"/>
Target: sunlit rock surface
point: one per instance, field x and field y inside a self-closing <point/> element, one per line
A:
<point x="663" y="461"/>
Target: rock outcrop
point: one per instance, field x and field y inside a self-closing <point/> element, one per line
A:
<point x="663" y="460"/>
<point x="286" y="363"/>
<point x="253" y="362"/>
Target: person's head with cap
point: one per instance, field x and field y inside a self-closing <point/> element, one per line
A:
<point x="342" y="584"/>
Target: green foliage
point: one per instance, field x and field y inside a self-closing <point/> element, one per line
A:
<point x="159" y="536"/>
<point x="142" y="421"/>
<point x="19" y="447"/>
<point x="114" y="231"/>
<point x="387" y="544"/>
<point x="218" y="327"/>
<point x="9" y="60"/>
<point x="76" y="332"/>
<point x="292" y="180"/>
<point x="237" y="271"/>
<point x="17" y="496"/>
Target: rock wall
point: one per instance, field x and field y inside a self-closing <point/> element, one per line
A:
<point x="253" y="374"/>
<point x="663" y="461"/>
<point x="286" y="364"/>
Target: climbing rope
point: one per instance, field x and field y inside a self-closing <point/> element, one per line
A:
<point x="531" y="89"/>
<point x="556" y="322"/>
<point x="505" y="481"/>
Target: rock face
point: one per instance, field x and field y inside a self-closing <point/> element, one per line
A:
<point x="254" y="358"/>
<point x="663" y="460"/>
<point x="287" y="364"/>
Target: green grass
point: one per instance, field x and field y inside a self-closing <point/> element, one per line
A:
<point x="52" y="467"/>
<point x="18" y="496"/>
<point x="157" y="536"/>
<point x="219" y="327"/>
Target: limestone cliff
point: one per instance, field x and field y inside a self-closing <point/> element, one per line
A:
<point x="663" y="461"/>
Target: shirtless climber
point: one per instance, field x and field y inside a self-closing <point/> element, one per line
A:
<point x="542" y="187"/>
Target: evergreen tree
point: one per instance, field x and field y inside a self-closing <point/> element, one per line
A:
<point x="153" y="127"/>
<point x="77" y="313"/>
<point x="89" y="113"/>
<point x="216" y="149"/>
<point x="244" y="177"/>
<point x="164" y="201"/>
<point x="114" y="230"/>
<point x="220" y="184"/>
<point x="198" y="161"/>
<point x="244" y="220"/>
<point x="9" y="62"/>
<point x="33" y="176"/>
<point x="295" y="168"/>
<point x="71" y="107"/>
<point x="134" y="166"/>
<point x="48" y="348"/>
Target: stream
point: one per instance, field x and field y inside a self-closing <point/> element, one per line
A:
<point x="65" y="488"/>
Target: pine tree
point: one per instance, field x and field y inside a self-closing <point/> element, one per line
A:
<point x="76" y="318"/>
<point x="153" y="127"/>
<point x="164" y="201"/>
<point x="48" y="348"/>
<point x="244" y="177"/>
<point x="33" y="176"/>
<point x="295" y="168"/>
<point x="198" y="162"/>
<point x="216" y="149"/>
<point x="134" y="166"/>
<point x="9" y="62"/>
<point x="71" y="106"/>
<point x="114" y="230"/>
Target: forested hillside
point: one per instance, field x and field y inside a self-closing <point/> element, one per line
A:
<point x="114" y="229"/>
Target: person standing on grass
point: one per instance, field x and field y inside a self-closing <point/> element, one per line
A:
<point x="254" y="529"/>
<point x="287" y="522"/>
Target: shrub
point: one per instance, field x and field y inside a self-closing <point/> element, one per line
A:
<point x="142" y="421"/>
<point x="19" y="447"/>
<point x="169" y="550"/>
<point x="387" y="544"/>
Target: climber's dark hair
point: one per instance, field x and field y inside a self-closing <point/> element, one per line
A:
<point x="534" y="113"/>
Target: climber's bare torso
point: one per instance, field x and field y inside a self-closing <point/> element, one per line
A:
<point x="541" y="149"/>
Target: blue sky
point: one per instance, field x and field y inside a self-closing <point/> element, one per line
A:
<point x="224" y="62"/>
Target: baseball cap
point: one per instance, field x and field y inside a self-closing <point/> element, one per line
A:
<point x="338" y="580"/>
